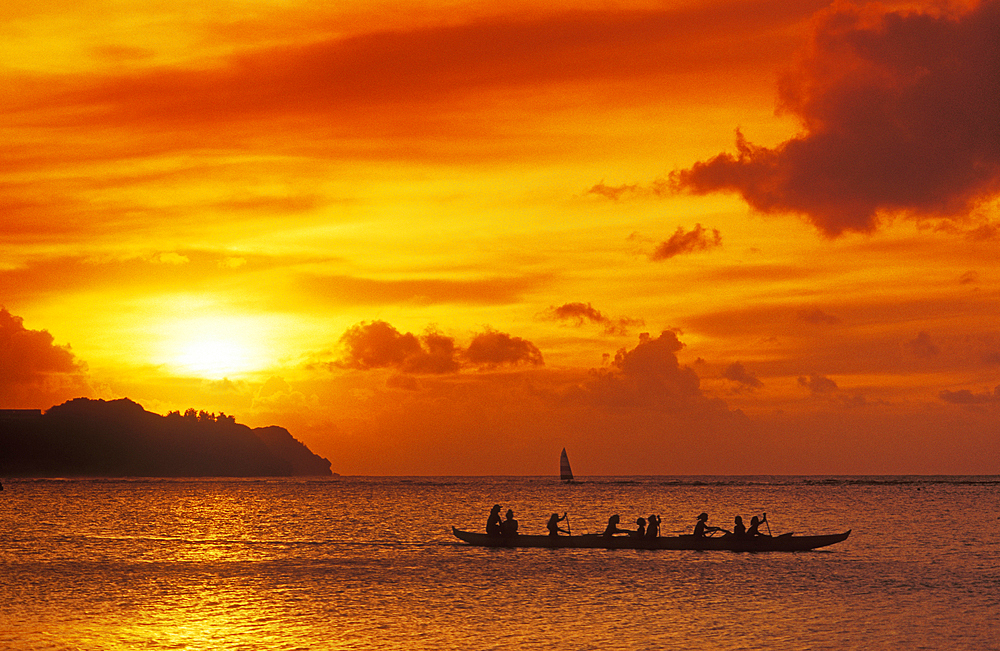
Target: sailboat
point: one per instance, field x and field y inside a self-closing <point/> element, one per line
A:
<point x="565" y="472"/>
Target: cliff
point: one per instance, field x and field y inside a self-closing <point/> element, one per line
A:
<point x="119" y="438"/>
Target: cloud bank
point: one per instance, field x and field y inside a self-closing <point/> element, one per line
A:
<point x="899" y="113"/>
<point x="379" y="345"/>
<point x="34" y="372"/>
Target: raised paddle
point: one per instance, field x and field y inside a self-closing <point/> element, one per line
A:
<point x="768" y="524"/>
<point x="566" y="518"/>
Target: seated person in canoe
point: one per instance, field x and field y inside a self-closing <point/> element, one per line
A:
<point x="702" y="528"/>
<point x="612" y="528"/>
<point x="493" y="522"/>
<point x="508" y="527"/>
<point x="653" y="526"/>
<point x="553" y="525"/>
<point x="755" y="523"/>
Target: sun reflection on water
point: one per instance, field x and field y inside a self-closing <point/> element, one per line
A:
<point x="226" y="565"/>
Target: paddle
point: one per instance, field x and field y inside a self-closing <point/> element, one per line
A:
<point x="566" y="518"/>
<point x="768" y="524"/>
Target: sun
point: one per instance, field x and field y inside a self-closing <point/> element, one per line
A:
<point x="215" y="347"/>
<point x="212" y="358"/>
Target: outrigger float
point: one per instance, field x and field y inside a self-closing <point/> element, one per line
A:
<point x="784" y="543"/>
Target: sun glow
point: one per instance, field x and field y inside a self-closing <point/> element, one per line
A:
<point x="216" y="347"/>
<point x="213" y="358"/>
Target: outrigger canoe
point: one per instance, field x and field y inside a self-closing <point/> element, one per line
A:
<point x="784" y="543"/>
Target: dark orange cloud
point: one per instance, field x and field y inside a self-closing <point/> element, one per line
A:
<point x="877" y="335"/>
<point x="648" y="377"/>
<point x="492" y="349"/>
<point x="922" y="346"/>
<point x="644" y="413"/>
<point x="578" y="313"/>
<point x="817" y="384"/>
<point x="739" y="374"/>
<point x="34" y="372"/>
<point x="612" y="192"/>
<point x="696" y="239"/>
<point x="379" y="345"/>
<point x="966" y="397"/>
<point x="900" y="115"/>
<point x="400" y="82"/>
<point x="659" y="188"/>
<point x="969" y="278"/>
<point x="817" y="316"/>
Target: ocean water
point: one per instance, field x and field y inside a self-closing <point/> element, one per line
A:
<point x="370" y="563"/>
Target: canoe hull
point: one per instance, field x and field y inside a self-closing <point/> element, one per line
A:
<point x="784" y="543"/>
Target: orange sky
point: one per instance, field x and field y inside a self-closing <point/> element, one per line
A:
<point x="453" y="238"/>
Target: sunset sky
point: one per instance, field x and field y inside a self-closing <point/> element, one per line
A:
<point x="676" y="237"/>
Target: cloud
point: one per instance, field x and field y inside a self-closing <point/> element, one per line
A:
<point x="658" y="188"/>
<point x="349" y="290"/>
<point x="579" y="313"/>
<point x="817" y="316"/>
<point x="612" y="192"/>
<point x="139" y="271"/>
<point x="276" y="396"/>
<point x="493" y="349"/>
<point x="405" y="382"/>
<point x="273" y="386"/>
<point x="437" y="356"/>
<point x="276" y="402"/>
<point x="697" y="239"/>
<point x="34" y="372"/>
<point x="738" y="373"/>
<point x="969" y="278"/>
<point x="966" y="397"/>
<point x="818" y="385"/>
<point x="648" y="376"/>
<point x="429" y="60"/>
<point x="922" y="346"/>
<point x="991" y="358"/>
<point x="899" y="115"/>
<point x="641" y="413"/>
<point x="322" y="81"/>
<point x="379" y="345"/>
<point x="171" y="257"/>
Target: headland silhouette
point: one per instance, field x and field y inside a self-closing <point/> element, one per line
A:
<point x="118" y="438"/>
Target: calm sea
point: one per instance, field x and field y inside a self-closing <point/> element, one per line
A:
<point x="370" y="563"/>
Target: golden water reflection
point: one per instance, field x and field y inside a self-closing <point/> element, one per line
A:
<point x="285" y="565"/>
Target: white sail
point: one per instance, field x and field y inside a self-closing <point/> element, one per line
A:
<point x="565" y="473"/>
